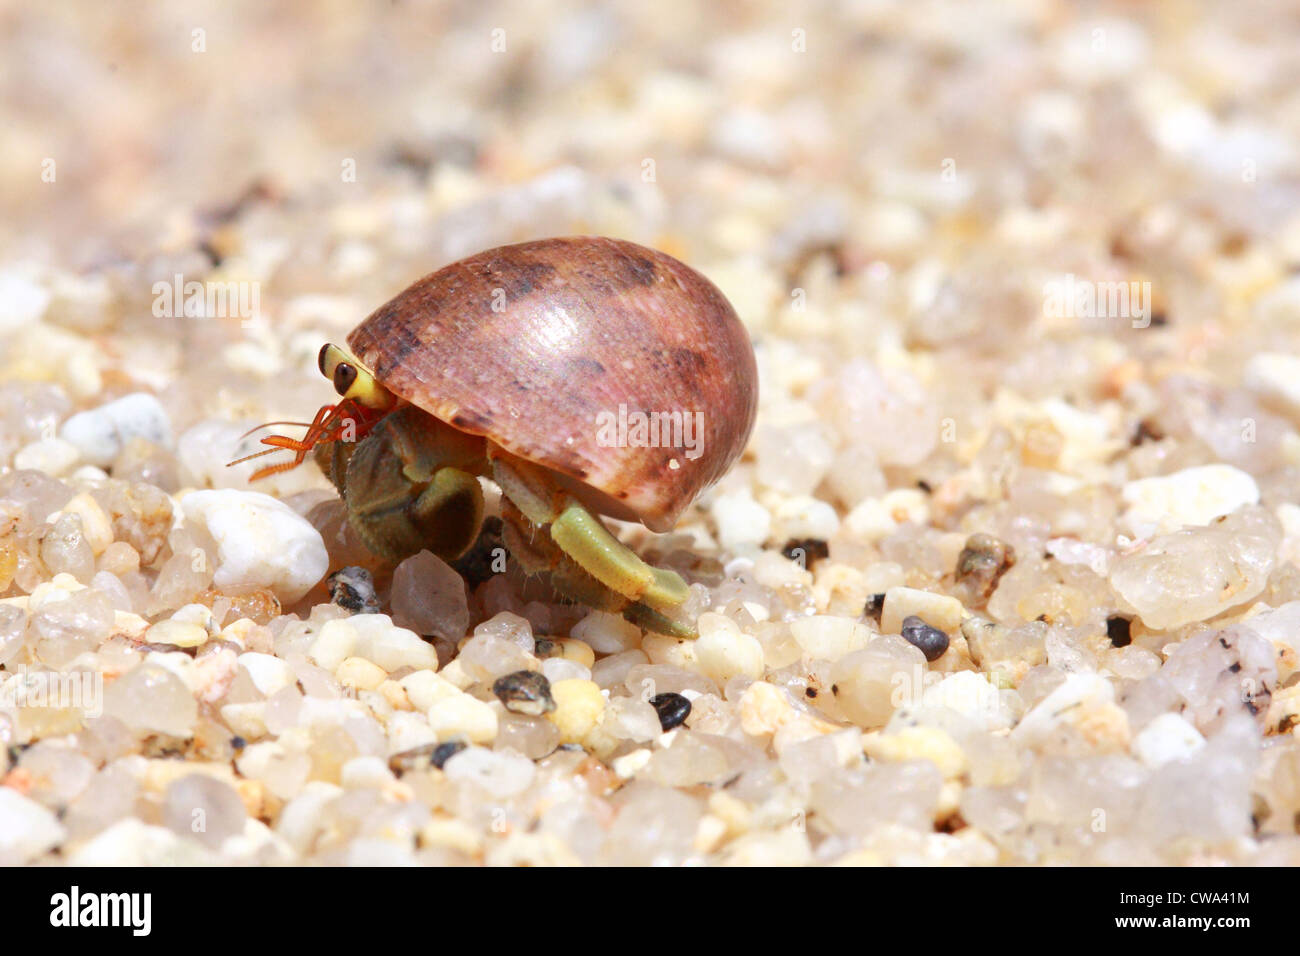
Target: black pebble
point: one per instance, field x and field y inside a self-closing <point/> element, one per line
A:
<point x="238" y="743"/>
<point x="806" y="551"/>
<point x="444" y="752"/>
<point x="673" y="709"/>
<point x="1118" y="629"/>
<point x="525" y="692"/>
<point x="931" y="641"/>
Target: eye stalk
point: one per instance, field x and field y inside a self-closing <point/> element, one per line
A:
<point x="352" y="380"/>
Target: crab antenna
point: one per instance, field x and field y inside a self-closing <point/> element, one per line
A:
<point x="258" y="428"/>
<point x="256" y="454"/>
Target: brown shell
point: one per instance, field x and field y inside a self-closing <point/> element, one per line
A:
<point x="536" y="345"/>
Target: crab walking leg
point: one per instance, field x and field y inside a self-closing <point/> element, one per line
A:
<point x="583" y="537"/>
<point x="527" y="488"/>
<point x="648" y="619"/>
<point x="537" y="553"/>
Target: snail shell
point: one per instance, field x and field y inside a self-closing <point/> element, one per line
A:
<point x="539" y="346"/>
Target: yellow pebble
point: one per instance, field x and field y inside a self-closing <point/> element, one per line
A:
<point x="119" y="558"/>
<point x="662" y="649"/>
<point x="764" y="708"/>
<point x="918" y="743"/>
<point x="176" y="633"/>
<point x="359" y="673"/>
<point x="572" y="649"/>
<point x="239" y="631"/>
<point x="733" y="812"/>
<point x="95" y="524"/>
<point x="709" y="833"/>
<point x="452" y="835"/>
<point x="725" y="651"/>
<point x="396" y="695"/>
<point x="579" y="705"/>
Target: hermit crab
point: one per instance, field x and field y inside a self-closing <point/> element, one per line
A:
<point x="585" y="376"/>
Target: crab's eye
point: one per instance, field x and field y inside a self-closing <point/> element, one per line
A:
<point x="353" y="380"/>
<point x="345" y="376"/>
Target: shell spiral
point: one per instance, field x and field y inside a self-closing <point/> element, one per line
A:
<point x="566" y="352"/>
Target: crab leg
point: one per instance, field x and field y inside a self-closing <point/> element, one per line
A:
<point x="538" y="553"/>
<point x="582" y="537"/>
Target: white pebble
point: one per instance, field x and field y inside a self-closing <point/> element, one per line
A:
<point x="54" y="456"/>
<point x="131" y="842"/>
<point x="877" y="518"/>
<point x="463" y="716"/>
<point x="247" y="720"/>
<point x="268" y="673"/>
<point x="300" y="820"/>
<point x="406" y="731"/>
<point x="27" y="829"/>
<point x="792" y="459"/>
<point x="629" y="764"/>
<point x="1276" y="376"/>
<point x="724" y="651"/>
<point x="776" y="571"/>
<point x="970" y="694"/>
<point x="805" y="517"/>
<point x="22" y="301"/>
<point x="743" y="523"/>
<point x="1168" y="737"/>
<point x="1166" y="581"/>
<point x="261" y="542"/>
<point x="556" y="669"/>
<point x="283" y="769"/>
<point x="826" y="637"/>
<point x="607" y="633"/>
<point x="199" y="614"/>
<point x="501" y="773"/>
<point x="425" y="688"/>
<point x="205" y="448"/>
<point x="362" y="772"/>
<point x="937" y="610"/>
<point x="374" y="637"/>
<point x="101" y="433"/>
<point x="1080" y="695"/>
<point x="1193" y="496"/>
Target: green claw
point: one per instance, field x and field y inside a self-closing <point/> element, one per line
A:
<point x="581" y="536"/>
<point x="649" y="619"/>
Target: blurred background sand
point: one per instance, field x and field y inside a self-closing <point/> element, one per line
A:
<point x="885" y="191"/>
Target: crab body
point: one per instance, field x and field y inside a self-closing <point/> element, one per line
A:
<point x="523" y="365"/>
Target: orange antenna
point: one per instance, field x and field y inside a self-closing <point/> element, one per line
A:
<point x="329" y="421"/>
<point x="256" y="454"/>
<point x="258" y="428"/>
